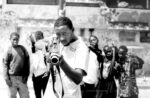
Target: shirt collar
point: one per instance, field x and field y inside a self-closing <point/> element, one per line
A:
<point x="72" y="46"/>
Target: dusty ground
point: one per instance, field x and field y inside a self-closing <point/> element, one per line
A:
<point x="143" y="83"/>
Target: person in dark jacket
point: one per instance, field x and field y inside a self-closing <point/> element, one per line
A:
<point x="16" y="68"/>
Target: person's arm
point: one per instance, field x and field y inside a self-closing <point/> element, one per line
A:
<point x="27" y="67"/>
<point x="28" y="63"/>
<point x="117" y="70"/>
<point x="75" y="75"/>
<point x="137" y="62"/>
<point x="140" y="64"/>
<point x="112" y="61"/>
<point x="5" y="66"/>
<point x="6" y="62"/>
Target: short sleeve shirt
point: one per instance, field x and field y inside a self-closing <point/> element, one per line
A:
<point x="93" y="68"/>
<point x="128" y="86"/>
<point x="76" y="55"/>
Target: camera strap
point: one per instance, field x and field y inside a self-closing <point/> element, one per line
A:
<point x="57" y="82"/>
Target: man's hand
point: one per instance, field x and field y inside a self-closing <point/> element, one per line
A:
<point x="8" y="82"/>
<point x="45" y="74"/>
<point x="25" y="79"/>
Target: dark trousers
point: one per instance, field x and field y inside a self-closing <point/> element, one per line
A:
<point x="88" y="90"/>
<point x="39" y="84"/>
<point x="133" y="96"/>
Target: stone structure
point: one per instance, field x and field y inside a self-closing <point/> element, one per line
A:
<point x="89" y="20"/>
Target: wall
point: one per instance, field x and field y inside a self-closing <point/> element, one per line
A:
<point x="82" y="17"/>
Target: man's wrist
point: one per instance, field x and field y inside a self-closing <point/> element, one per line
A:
<point x="7" y="78"/>
<point x="61" y="60"/>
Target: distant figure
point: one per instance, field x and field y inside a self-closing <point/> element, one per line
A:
<point x="91" y="79"/>
<point x="127" y="81"/>
<point x="93" y="40"/>
<point x="39" y="69"/>
<point x="106" y="87"/>
<point x="16" y="68"/>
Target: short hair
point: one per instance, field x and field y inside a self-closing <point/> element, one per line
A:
<point x="124" y="48"/>
<point x="96" y="46"/>
<point x="106" y="48"/>
<point x="39" y="35"/>
<point x="94" y="37"/>
<point x="64" y="21"/>
<point x="14" y="34"/>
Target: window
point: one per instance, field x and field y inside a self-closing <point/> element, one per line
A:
<point x="82" y="31"/>
<point x="145" y="36"/>
<point x="91" y="30"/>
<point x="135" y="4"/>
<point x="33" y="2"/>
<point x="127" y="36"/>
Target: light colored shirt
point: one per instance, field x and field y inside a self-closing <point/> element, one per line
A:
<point x="38" y="66"/>
<point x="93" y="68"/>
<point x="15" y="59"/>
<point x="106" y="69"/>
<point x="76" y="55"/>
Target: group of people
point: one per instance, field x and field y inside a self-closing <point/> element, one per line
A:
<point x="116" y="67"/>
<point x="81" y="71"/>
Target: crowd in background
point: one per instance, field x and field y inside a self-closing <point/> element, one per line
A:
<point x="81" y="71"/>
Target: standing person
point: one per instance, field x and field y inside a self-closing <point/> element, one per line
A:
<point x="127" y="82"/>
<point x="16" y="68"/>
<point x="73" y="58"/>
<point x="91" y="79"/>
<point x="94" y="47"/>
<point x="39" y="69"/>
<point x="106" y="87"/>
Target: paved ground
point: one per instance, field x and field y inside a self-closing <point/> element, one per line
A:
<point x="144" y="88"/>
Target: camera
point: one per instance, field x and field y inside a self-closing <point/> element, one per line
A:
<point x="54" y="51"/>
<point x="54" y="58"/>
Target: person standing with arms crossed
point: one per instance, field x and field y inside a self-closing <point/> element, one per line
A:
<point x="16" y="68"/>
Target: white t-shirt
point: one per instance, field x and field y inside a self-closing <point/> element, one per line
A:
<point x="38" y="66"/>
<point x="106" y="69"/>
<point x="76" y="55"/>
<point x="93" y="68"/>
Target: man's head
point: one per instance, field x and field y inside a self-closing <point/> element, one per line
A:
<point x="14" y="38"/>
<point x="64" y="29"/>
<point x="122" y="52"/>
<point x="108" y="52"/>
<point x="93" y="41"/>
<point x="39" y="35"/>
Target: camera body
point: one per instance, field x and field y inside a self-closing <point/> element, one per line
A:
<point x="54" y="55"/>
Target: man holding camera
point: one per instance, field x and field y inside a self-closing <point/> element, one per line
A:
<point x="73" y="56"/>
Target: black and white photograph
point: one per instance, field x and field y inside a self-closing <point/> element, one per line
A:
<point x="75" y="48"/>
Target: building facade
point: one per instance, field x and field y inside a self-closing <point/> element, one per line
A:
<point x="120" y="26"/>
